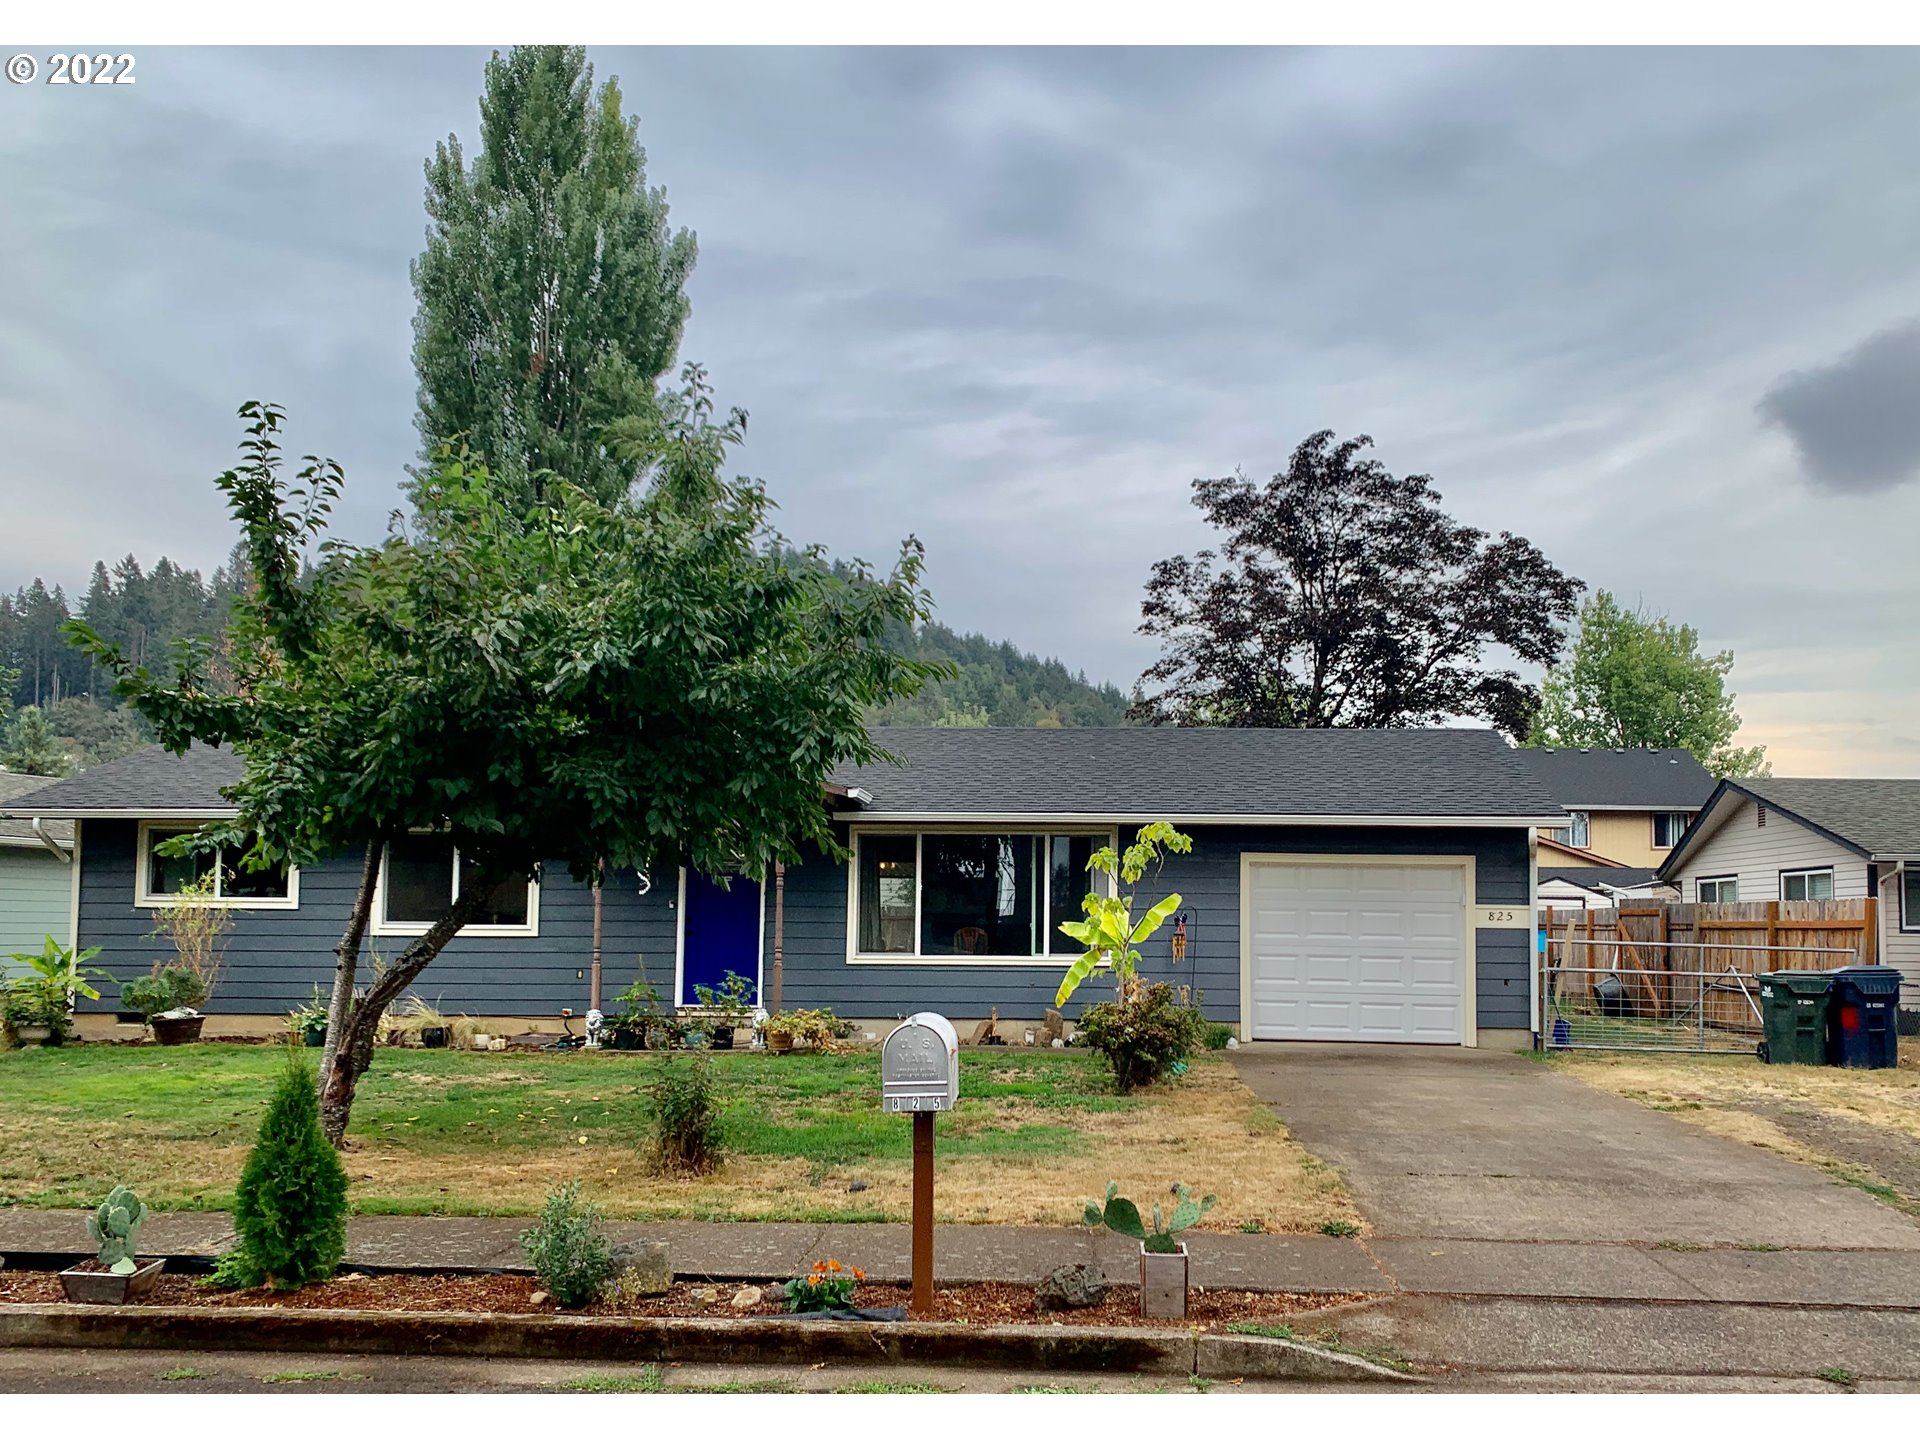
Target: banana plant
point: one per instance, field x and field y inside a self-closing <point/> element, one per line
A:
<point x="1122" y="1216"/>
<point x="1110" y="933"/>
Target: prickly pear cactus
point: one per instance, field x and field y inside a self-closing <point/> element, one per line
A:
<point x="115" y="1226"/>
<point x="1123" y="1218"/>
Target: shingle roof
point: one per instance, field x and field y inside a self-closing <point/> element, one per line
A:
<point x="152" y="781"/>
<point x="1175" y="773"/>
<point x="20" y="832"/>
<point x="1881" y="817"/>
<point x="1341" y="774"/>
<point x="1618" y="877"/>
<point x="1624" y="779"/>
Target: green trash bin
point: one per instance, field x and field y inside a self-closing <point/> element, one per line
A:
<point x="1793" y="1006"/>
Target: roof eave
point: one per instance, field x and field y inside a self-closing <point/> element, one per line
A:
<point x="122" y="812"/>
<point x="1091" y="817"/>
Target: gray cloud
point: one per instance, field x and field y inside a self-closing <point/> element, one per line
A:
<point x="1856" y="422"/>
<point x="1015" y="300"/>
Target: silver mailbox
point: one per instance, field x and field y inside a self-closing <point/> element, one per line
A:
<point x="920" y="1065"/>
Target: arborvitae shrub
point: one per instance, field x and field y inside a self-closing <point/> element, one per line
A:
<point x="290" y="1207"/>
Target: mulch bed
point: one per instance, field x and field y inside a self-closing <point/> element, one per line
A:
<point x="994" y="1304"/>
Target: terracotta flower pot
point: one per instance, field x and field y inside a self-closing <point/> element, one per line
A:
<point x="1163" y="1284"/>
<point x="779" y="1042"/>
<point x="94" y="1284"/>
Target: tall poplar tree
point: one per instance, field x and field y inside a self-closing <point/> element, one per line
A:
<point x="550" y="292"/>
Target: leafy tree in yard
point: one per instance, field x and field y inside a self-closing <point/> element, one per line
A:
<point x="28" y="746"/>
<point x="550" y="289"/>
<point x="1636" y="680"/>
<point x="639" y="683"/>
<point x="1344" y="596"/>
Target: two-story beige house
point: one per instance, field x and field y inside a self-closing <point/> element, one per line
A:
<point x="1812" y="840"/>
<point x="1625" y="808"/>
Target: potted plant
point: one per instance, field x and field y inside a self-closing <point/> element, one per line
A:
<point x="196" y="925"/>
<point x="167" y="999"/>
<point x="425" y="1024"/>
<point x="778" y="1030"/>
<point x="38" y="1006"/>
<point x="728" y="1007"/>
<point x="1163" y="1257"/>
<point x="635" y="1015"/>
<point x="116" y="1276"/>
<point x="308" y="1022"/>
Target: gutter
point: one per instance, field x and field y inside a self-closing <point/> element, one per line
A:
<point x="66" y="856"/>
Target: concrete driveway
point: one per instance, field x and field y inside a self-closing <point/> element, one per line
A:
<point x="1480" y="1145"/>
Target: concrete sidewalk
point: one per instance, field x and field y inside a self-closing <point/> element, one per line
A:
<point x="1854" y="1279"/>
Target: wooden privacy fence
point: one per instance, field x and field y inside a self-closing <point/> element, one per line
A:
<point x="1662" y="953"/>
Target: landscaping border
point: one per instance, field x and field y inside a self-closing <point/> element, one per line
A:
<point x="723" y="1342"/>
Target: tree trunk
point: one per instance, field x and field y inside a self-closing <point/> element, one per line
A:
<point x="354" y="1052"/>
<point x="346" y="964"/>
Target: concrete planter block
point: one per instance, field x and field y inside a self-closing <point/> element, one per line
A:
<point x="1163" y="1284"/>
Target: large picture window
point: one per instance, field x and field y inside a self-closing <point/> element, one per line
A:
<point x="967" y="895"/>
<point x="421" y="875"/>
<point x="162" y="879"/>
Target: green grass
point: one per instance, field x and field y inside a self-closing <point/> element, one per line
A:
<point x="1344" y="1229"/>
<point x="1200" y="1384"/>
<point x="737" y="1387"/>
<point x="1684" y="1247"/>
<point x="76" y="1112"/>
<point x="183" y="1372"/>
<point x="301" y="1377"/>
<point x="893" y="1387"/>
<point x="1265" y="1332"/>
<point x="647" y="1382"/>
<point x="1049" y="1390"/>
<point x="1837" y="1375"/>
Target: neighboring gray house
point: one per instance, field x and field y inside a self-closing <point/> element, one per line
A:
<point x="1343" y="885"/>
<point x="1812" y="840"/>
<point x="36" y="876"/>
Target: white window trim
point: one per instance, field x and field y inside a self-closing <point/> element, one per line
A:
<point x="1585" y="824"/>
<point x="1909" y="914"/>
<point x="1716" y="880"/>
<point x="856" y="956"/>
<point x="145" y="899"/>
<point x="378" y="924"/>
<point x="1806" y="872"/>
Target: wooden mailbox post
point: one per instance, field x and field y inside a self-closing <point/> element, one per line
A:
<point x="920" y="1076"/>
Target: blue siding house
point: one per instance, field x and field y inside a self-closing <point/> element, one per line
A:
<point x="1343" y="885"/>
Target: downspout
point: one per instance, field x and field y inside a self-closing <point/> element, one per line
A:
<point x="599" y="891"/>
<point x="66" y="856"/>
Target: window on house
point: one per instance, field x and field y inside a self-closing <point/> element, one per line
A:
<point x="1910" y="901"/>
<point x="972" y="895"/>
<point x="1806" y="884"/>
<point x="1668" y="827"/>
<point x="1717" y="889"/>
<point x="421" y="875"/>
<point x="1574" y="832"/>
<point x="161" y="879"/>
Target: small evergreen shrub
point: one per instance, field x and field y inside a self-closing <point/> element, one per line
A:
<point x="290" y="1207"/>
<point x="1218" y="1035"/>
<point x="567" y="1249"/>
<point x="686" y="1118"/>
<point x="1145" y="1039"/>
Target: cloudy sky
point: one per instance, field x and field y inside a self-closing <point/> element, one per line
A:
<point x="1658" y="311"/>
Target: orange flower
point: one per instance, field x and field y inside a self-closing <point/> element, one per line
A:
<point x="833" y="1264"/>
<point x="858" y="1273"/>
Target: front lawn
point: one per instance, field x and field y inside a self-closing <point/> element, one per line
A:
<point x="1037" y="1132"/>
<point x="1861" y="1126"/>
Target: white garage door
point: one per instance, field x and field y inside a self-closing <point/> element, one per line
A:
<point x="1357" y="952"/>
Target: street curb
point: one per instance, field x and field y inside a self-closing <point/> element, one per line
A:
<point x="723" y="1342"/>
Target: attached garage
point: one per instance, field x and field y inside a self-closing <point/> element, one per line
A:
<point x="1344" y="947"/>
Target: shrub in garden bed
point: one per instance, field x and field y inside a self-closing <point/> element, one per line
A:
<point x="290" y="1207"/>
<point x="567" y="1249"/>
<point x="1146" y="1038"/>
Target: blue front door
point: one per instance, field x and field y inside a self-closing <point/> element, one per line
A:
<point x="720" y="932"/>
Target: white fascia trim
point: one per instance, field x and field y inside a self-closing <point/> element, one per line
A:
<point x="1092" y="818"/>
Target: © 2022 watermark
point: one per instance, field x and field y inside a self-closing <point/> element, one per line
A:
<point x="75" y="68"/>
